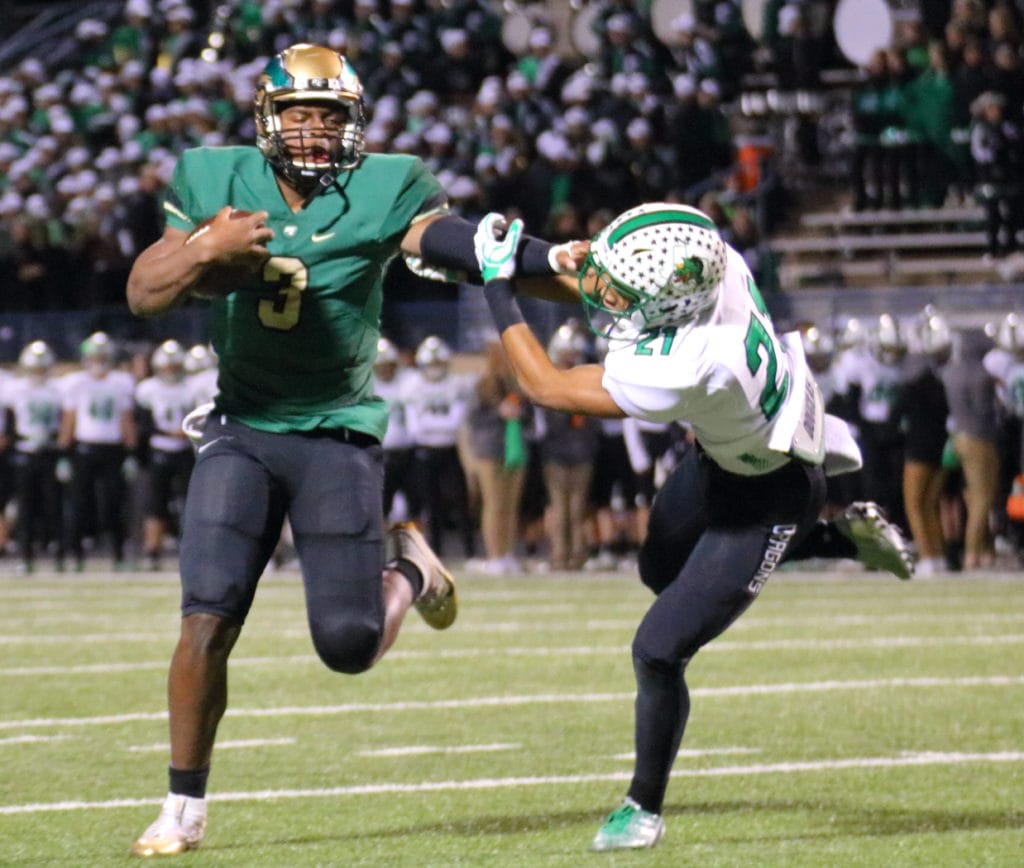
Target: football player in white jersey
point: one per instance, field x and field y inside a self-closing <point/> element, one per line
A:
<point x="32" y="404"/>
<point x="389" y="379"/>
<point x="436" y="400"/>
<point x="163" y="401"/>
<point x="98" y="426"/>
<point x="691" y="341"/>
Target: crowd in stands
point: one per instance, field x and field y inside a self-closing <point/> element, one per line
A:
<point x="89" y="133"/>
<point x="938" y="117"/>
<point x="94" y="461"/>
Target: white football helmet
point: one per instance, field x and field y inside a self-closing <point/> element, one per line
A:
<point x="818" y="348"/>
<point x="656" y="264"/>
<point x="1010" y="334"/>
<point x="302" y="74"/>
<point x="886" y="341"/>
<point x="934" y="334"/>
<point x="568" y="345"/>
<point x="97" y="352"/>
<point x="168" y="362"/>
<point x="37" y="359"/>
<point x="200" y="358"/>
<point x="433" y="356"/>
<point x="387" y="352"/>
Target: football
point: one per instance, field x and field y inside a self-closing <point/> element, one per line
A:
<point x="219" y="280"/>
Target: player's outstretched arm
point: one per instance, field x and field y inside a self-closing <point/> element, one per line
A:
<point x="546" y="270"/>
<point x="576" y="390"/>
<point x="167" y="271"/>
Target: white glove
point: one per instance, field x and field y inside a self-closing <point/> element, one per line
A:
<point x="130" y="469"/>
<point x="63" y="470"/>
<point x="496" y="245"/>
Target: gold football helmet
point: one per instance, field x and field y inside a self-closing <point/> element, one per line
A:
<point x="309" y="74"/>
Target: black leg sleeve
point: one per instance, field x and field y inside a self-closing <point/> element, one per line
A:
<point x="662" y="709"/>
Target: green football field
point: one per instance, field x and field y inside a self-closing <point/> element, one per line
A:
<point x="846" y="719"/>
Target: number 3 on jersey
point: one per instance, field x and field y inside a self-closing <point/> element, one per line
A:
<point x="291" y="277"/>
<point x="761" y="349"/>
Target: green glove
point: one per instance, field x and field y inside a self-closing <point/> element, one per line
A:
<point x="496" y="245"/>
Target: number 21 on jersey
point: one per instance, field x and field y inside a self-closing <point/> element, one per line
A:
<point x="762" y="351"/>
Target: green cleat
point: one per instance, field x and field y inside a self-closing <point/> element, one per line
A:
<point x="880" y="545"/>
<point x="629" y="827"/>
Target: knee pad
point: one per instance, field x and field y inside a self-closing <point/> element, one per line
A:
<point x="345" y="643"/>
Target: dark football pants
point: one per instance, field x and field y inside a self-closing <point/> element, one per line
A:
<point x="713" y="540"/>
<point x="98" y="495"/>
<point x="38" y="497"/>
<point x="243" y="485"/>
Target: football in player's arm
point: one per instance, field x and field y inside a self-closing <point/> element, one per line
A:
<point x="690" y="339"/>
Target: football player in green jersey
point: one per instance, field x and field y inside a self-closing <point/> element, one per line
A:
<point x="302" y="227"/>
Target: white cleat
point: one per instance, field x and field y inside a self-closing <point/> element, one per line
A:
<point x="438" y="603"/>
<point x="629" y="827"/>
<point x="880" y="545"/>
<point x="179" y="827"/>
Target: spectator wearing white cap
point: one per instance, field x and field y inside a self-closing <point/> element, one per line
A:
<point x="528" y="110"/>
<point x="459" y="69"/>
<point x="542" y="65"/>
<point x="394" y="76"/>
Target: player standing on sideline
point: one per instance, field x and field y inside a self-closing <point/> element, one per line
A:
<point x="691" y="339"/>
<point x="32" y="404"/>
<point x="296" y="428"/>
<point x="98" y="428"/>
<point x="163" y="400"/>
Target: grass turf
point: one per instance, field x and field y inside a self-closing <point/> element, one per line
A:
<point x="846" y="719"/>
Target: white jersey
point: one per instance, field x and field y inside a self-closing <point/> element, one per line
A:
<point x="1008" y="373"/>
<point x="435" y="410"/>
<point x="98" y="404"/>
<point x="36" y="407"/>
<point x="392" y="391"/>
<point x="168" y="403"/>
<point x="880" y="386"/>
<point x="203" y="385"/>
<point x="743" y="391"/>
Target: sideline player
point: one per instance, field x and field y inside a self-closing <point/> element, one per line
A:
<point x="294" y="277"/>
<point x="690" y="340"/>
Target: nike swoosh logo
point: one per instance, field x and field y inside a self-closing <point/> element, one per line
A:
<point x="206" y="446"/>
<point x="316" y="239"/>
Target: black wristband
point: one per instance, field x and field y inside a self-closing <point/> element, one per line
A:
<point x="448" y="243"/>
<point x="501" y="299"/>
<point x="532" y="257"/>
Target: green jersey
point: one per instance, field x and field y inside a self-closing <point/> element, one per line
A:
<point x="296" y="348"/>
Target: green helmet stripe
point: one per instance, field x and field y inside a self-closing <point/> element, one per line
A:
<point x="277" y="74"/>
<point x="642" y="221"/>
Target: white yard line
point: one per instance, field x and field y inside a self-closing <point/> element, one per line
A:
<point x="697" y="752"/>
<point x="422" y="749"/>
<point x="221" y="745"/>
<point x="902" y="760"/>
<point x="554" y="651"/>
<point x="534" y="699"/>
<point x="32" y="739"/>
<point x="535" y="626"/>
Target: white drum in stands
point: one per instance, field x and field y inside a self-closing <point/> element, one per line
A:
<point x="862" y="27"/>
<point x="663" y="13"/>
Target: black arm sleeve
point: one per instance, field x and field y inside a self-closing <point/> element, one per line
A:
<point x="448" y="243"/>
